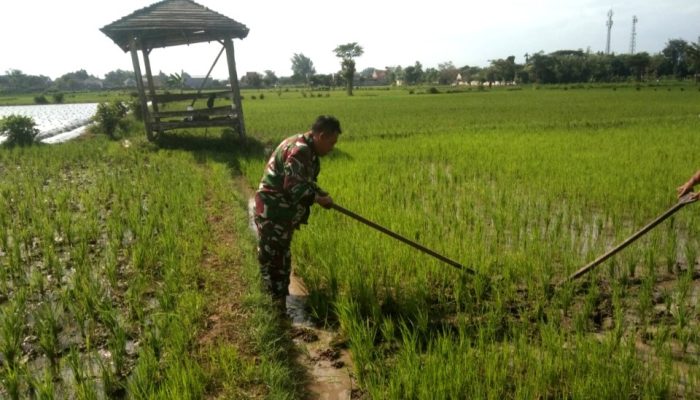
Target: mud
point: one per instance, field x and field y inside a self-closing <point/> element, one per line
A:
<point x="329" y="366"/>
<point x="660" y="338"/>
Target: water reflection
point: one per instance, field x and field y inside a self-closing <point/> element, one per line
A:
<point x="296" y="300"/>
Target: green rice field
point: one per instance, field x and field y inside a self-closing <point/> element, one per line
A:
<point x="104" y="291"/>
<point x="524" y="187"/>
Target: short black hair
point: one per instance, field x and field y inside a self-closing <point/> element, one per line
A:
<point x="326" y="124"/>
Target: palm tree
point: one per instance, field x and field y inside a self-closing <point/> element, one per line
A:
<point x="176" y="81"/>
<point x="347" y="53"/>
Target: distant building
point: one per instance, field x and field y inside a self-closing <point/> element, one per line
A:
<point x="379" y="75"/>
<point x="131" y="82"/>
<point x="251" y="79"/>
<point x="194" y="82"/>
<point x="92" y="83"/>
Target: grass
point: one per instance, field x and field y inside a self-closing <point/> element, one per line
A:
<point x="103" y="260"/>
<point x="523" y="186"/>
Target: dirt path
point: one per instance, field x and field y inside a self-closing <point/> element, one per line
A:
<point x="227" y="312"/>
<point x="329" y="366"/>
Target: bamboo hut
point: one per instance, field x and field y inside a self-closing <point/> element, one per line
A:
<point x="173" y="23"/>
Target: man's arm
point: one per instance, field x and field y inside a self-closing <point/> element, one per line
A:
<point x="298" y="179"/>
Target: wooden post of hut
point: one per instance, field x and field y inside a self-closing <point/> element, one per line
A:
<point x="133" y="45"/>
<point x="173" y="23"/>
<point x="235" y="90"/>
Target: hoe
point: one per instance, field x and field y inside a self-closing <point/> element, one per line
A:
<point x="401" y="238"/>
<point x="682" y="202"/>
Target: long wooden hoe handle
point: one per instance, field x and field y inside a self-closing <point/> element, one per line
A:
<point x="401" y="238"/>
<point x="682" y="202"/>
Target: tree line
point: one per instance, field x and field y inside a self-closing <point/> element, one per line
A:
<point x="15" y="81"/>
<point x="678" y="60"/>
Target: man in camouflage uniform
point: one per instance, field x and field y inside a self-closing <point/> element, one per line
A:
<point x="284" y="198"/>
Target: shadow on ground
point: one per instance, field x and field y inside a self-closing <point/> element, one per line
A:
<point x="224" y="147"/>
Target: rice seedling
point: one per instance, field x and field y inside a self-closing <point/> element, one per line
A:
<point x="44" y="387"/>
<point x="48" y="323"/>
<point x="111" y="383"/>
<point x="84" y="386"/>
<point x="13" y="379"/>
<point x="12" y="329"/>
<point x="116" y="341"/>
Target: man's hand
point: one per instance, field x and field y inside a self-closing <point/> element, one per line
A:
<point x="688" y="186"/>
<point x="693" y="196"/>
<point x="685" y="188"/>
<point x="324" y="201"/>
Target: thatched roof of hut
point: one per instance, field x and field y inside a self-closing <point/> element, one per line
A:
<point x="173" y="23"/>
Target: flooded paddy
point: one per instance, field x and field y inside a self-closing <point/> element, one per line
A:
<point x="56" y="122"/>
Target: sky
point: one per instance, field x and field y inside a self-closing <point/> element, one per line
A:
<point x="55" y="37"/>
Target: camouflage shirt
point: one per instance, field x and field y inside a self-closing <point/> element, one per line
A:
<point x="288" y="186"/>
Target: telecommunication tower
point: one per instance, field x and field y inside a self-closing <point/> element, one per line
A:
<point x="633" y="39"/>
<point x="609" y="25"/>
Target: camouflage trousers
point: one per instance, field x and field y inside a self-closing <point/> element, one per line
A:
<point x="274" y="255"/>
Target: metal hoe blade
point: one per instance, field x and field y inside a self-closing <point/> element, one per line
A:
<point x="401" y="238"/>
<point x="682" y="202"/>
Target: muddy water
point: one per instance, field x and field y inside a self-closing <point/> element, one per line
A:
<point x="328" y="366"/>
